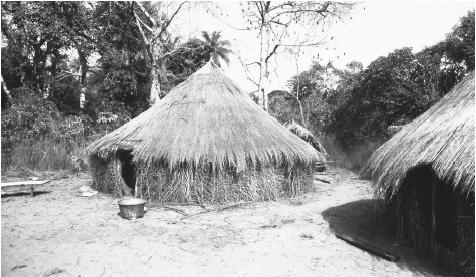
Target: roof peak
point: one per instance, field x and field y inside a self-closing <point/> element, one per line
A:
<point x="208" y="68"/>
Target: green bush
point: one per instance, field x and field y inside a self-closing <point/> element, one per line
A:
<point x="35" y="134"/>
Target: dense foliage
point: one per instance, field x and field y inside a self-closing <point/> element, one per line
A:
<point x="391" y="91"/>
<point x="73" y="69"/>
<point x="357" y="105"/>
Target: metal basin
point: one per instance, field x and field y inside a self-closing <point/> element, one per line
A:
<point x="132" y="208"/>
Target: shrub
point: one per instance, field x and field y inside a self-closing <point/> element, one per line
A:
<point x="37" y="136"/>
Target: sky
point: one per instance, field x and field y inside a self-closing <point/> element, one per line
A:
<point x="370" y="30"/>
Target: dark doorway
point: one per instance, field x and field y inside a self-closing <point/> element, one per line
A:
<point x="445" y="212"/>
<point x="427" y="215"/>
<point x="128" y="169"/>
<point x="416" y="208"/>
<point x="437" y="206"/>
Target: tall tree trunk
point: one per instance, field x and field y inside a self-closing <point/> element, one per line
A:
<point x="298" y="87"/>
<point x="132" y="73"/>
<point x="83" y="69"/>
<point x="303" y="123"/>
<point x="51" y="67"/>
<point x="308" y="111"/>
<point x="47" y="63"/>
<point x="37" y="68"/>
<point x="263" y="70"/>
<point x="154" y="83"/>
<point x="8" y="101"/>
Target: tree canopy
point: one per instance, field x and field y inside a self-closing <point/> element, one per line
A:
<point x="357" y="105"/>
<point x="95" y="61"/>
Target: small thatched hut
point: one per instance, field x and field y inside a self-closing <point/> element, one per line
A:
<point x="426" y="175"/>
<point x="308" y="137"/>
<point x="206" y="141"/>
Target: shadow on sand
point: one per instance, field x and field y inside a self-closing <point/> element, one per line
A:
<point x="366" y="220"/>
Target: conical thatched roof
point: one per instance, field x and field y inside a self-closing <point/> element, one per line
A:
<point x="442" y="137"/>
<point x="206" y="120"/>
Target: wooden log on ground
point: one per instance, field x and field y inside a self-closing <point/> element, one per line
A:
<point x="24" y="185"/>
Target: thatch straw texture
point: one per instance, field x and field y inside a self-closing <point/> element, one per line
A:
<point x="442" y="137"/>
<point x="185" y="186"/>
<point x="208" y="120"/>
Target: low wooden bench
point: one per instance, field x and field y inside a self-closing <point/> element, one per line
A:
<point x="22" y="186"/>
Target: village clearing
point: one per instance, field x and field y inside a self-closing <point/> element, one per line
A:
<point x="60" y="233"/>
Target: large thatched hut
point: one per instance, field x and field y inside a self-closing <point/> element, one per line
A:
<point x="206" y="141"/>
<point x="426" y="175"/>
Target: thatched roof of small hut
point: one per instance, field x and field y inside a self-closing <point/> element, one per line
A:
<point x="207" y="120"/>
<point x="306" y="135"/>
<point x="442" y="137"/>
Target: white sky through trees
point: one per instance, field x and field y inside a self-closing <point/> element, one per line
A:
<point x="370" y="30"/>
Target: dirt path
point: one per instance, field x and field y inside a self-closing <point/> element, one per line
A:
<point x="62" y="234"/>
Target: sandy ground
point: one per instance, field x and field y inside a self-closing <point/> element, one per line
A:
<point x="60" y="233"/>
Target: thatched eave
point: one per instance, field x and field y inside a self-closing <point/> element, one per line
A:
<point x="442" y="137"/>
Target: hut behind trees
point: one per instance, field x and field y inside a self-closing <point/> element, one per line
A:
<point x="425" y="173"/>
<point x="205" y="142"/>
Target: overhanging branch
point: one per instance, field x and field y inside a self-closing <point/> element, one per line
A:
<point x="147" y="15"/>
<point x="144" y="37"/>
<point x="271" y="53"/>
<point x="170" y="20"/>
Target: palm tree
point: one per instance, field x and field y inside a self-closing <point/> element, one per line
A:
<point x="215" y="47"/>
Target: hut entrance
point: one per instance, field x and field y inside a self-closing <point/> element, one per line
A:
<point x="445" y="216"/>
<point x="128" y="170"/>
<point x="431" y="218"/>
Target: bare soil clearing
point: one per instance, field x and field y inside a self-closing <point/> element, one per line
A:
<point x="60" y="233"/>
